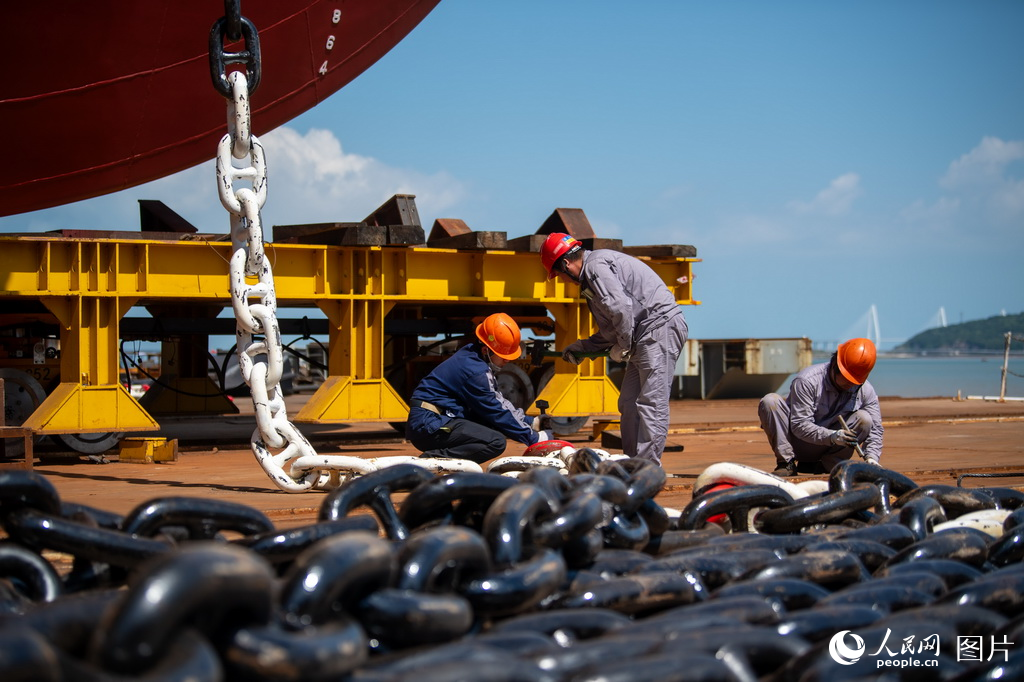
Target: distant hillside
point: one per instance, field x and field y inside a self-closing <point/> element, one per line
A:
<point x="979" y="335"/>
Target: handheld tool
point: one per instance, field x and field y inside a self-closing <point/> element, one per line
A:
<point x="856" y="447"/>
<point x="539" y="351"/>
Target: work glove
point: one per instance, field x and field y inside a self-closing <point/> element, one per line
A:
<point x="618" y="354"/>
<point x="844" y="437"/>
<point x="874" y="462"/>
<point x="573" y="353"/>
<point x="541" y="423"/>
<point x="543" y="436"/>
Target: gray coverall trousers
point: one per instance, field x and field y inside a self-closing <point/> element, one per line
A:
<point x="646" y="390"/>
<point x="774" y="413"/>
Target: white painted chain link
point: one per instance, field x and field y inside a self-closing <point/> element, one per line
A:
<point x="240" y="159"/>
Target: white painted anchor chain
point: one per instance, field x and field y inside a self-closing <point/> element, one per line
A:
<point x="514" y="465"/>
<point x="240" y="158"/>
<point x="296" y="467"/>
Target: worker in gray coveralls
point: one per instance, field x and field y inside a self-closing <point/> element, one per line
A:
<point x="638" y="322"/>
<point x="805" y="426"/>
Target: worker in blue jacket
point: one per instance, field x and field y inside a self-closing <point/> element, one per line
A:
<point x="457" y="410"/>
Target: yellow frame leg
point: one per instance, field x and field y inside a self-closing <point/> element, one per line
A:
<point x="355" y="388"/>
<point x="90" y="397"/>
<point x="582" y="389"/>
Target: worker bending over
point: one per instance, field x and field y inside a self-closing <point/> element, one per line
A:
<point x="805" y="426"/>
<point x="457" y="410"/>
<point x="638" y="322"/>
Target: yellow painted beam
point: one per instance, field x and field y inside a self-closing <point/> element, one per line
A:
<point x="90" y="283"/>
<point x="304" y="274"/>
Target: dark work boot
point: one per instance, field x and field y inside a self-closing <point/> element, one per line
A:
<point x="784" y="468"/>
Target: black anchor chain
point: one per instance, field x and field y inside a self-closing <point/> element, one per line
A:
<point x="483" y="576"/>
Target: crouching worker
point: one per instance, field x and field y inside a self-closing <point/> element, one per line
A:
<point x="805" y="426"/>
<point x="457" y="410"/>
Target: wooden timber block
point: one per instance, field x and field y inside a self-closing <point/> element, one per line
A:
<point x="611" y="440"/>
<point x="148" y="450"/>
<point x="27" y="436"/>
<point x="13" y="432"/>
<point x="359" y="235"/>
<point x="472" y="240"/>
<point x="594" y="243"/>
<point x="129" y="235"/>
<point x="313" y="233"/>
<point x="402" y="235"/>
<point x="447" y="227"/>
<point x="601" y="425"/>
<point x="400" y="209"/>
<point x="569" y="220"/>
<point x="531" y="243"/>
<point x="663" y="251"/>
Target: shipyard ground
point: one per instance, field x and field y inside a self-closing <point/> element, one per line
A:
<point x="931" y="440"/>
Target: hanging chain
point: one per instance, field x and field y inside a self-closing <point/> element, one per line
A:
<point x="240" y="159"/>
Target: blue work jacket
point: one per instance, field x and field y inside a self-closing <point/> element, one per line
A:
<point x="463" y="387"/>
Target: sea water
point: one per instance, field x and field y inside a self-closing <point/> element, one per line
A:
<point x="927" y="377"/>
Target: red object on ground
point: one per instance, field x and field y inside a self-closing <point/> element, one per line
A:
<point x="718" y="518"/>
<point x="96" y="97"/>
<point x="546" y="447"/>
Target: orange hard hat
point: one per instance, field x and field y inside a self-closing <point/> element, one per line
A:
<point x="500" y="333"/>
<point x="555" y="246"/>
<point x="856" y="359"/>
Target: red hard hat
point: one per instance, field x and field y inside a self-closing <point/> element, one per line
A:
<point x="555" y="246"/>
<point x="500" y="333"/>
<point x="856" y="359"/>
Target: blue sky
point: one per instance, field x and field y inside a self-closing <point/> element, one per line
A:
<point x="823" y="157"/>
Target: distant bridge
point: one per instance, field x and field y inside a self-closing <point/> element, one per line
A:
<point x="867" y="327"/>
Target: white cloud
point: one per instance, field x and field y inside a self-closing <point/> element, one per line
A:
<point x="834" y="200"/>
<point x="941" y="211"/>
<point x="984" y="166"/>
<point x="310" y="179"/>
<point x="979" y="187"/>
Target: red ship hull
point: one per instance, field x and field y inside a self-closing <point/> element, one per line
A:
<point x="101" y="96"/>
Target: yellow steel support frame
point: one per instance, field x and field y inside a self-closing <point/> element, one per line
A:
<point x="577" y="390"/>
<point x="355" y="388"/>
<point x="90" y="397"/>
<point x="90" y="284"/>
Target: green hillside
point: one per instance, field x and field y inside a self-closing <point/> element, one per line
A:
<point x="979" y="335"/>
